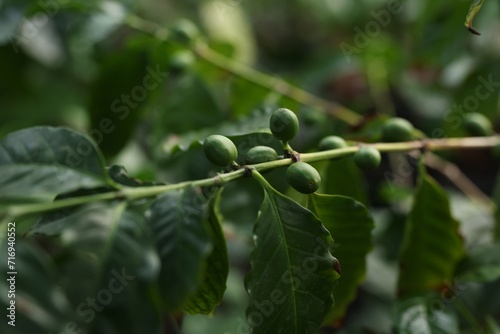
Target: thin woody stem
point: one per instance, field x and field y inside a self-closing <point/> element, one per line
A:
<point x="257" y="77"/>
<point x="455" y="175"/>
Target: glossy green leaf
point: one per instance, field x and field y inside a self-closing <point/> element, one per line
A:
<point x="424" y="315"/>
<point x="210" y="293"/>
<point x="432" y="245"/>
<point x="48" y="161"/>
<point x="40" y="305"/>
<point x="350" y="224"/>
<point x="256" y="123"/>
<point x="10" y="18"/>
<point x="178" y="220"/>
<point x="342" y="177"/>
<point x="292" y="278"/>
<point x="133" y="310"/>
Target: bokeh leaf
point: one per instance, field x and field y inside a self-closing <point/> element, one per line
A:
<point x="432" y="246"/>
<point x="178" y="220"/>
<point x="417" y="315"/>
<point x="291" y="279"/>
<point x="350" y="224"/>
<point x="41" y="306"/>
<point x="106" y="248"/>
<point x="10" y="18"/>
<point x="102" y="22"/>
<point x="115" y="105"/>
<point x="48" y="161"/>
<point x="482" y="264"/>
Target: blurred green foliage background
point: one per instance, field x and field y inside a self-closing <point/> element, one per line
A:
<point x="78" y="64"/>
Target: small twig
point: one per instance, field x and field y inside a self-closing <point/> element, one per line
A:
<point x="277" y="84"/>
<point x="457" y="177"/>
<point x="257" y="77"/>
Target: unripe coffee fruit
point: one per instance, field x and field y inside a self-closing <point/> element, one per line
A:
<point x="303" y="177"/>
<point x="396" y="130"/>
<point x="220" y="150"/>
<point x="284" y="124"/>
<point x="367" y="158"/>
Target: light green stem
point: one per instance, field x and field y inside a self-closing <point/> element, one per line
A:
<point x="15" y="211"/>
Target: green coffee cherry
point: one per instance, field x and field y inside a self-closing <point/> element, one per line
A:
<point x="303" y="177"/>
<point x="367" y="157"/>
<point x="477" y="125"/>
<point x="184" y="31"/>
<point x="284" y="124"/>
<point x="220" y="150"/>
<point x="181" y="61"/>
<point x="397" y="129"/>
<point x="260" y="154"/>
<point x="332" y="143"/>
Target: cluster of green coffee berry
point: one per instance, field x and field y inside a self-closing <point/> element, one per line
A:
<point x="303" y="177"/>
<point x="284" y="125"/>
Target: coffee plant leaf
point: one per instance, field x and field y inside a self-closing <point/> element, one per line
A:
<point x="292" y="277"/>
<point x="211" y="291"/>
<point x="432" y="245"/>
<point x="37" y="164"/>
<point x="179" y="223"/>
<point x="351" y="225"/>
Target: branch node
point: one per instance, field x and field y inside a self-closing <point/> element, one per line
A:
<point x="218" y="182"/>
<point x="248" y="170"/>
<point x="425" y="146"/>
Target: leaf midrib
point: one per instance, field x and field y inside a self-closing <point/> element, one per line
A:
<point x="282" y="232"/>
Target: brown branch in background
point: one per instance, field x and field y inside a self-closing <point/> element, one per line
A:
<point x="277" y="84"/>
<point x="457" y="177"/>
<point x="203" y="51"/>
